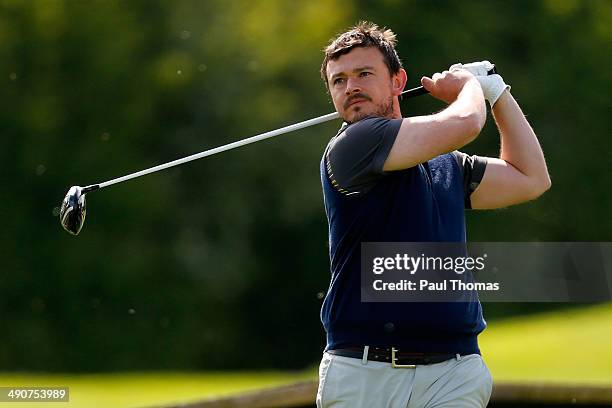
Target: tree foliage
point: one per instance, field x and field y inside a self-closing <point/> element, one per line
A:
<point x="222" y="263"/>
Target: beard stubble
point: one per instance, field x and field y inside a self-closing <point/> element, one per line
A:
<point x="384" y="110"/>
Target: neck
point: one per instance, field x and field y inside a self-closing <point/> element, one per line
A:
<point x="396" y="112"/>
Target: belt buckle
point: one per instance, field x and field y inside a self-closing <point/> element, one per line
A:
<point x="394" y="358"/>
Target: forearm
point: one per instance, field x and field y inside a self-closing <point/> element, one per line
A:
<point x="519" y="144"/>
<point x="468" y="107"/>
<point x="422" y="138"/>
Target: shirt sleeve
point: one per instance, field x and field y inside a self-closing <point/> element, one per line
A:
<point x="472" y="169"/>
<point x="356" y="156"/>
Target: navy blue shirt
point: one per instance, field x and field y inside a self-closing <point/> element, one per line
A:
<point x="363" y="203"/>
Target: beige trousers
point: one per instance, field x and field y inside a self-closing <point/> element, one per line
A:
<point x="346" y="382"/>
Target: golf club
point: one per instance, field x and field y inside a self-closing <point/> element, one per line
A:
<point x="73" y="208"/>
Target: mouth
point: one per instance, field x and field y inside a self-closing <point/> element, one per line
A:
<point x="355" y="102"/>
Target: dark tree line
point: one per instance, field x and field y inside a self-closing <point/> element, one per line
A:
<point x="222" y="263"/>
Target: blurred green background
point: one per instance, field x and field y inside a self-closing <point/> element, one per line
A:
<point x="222" y="263"/>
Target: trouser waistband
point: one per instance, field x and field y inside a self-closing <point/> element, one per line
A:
<point x="393" y="355"/>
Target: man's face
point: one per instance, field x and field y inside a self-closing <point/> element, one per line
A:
<point x="360" y="84"/>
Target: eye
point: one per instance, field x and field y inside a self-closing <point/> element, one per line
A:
<point x="338" y="81"/>
<point x="365" y="74"/>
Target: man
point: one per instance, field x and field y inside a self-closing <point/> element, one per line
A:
<point x="392" y="179"/>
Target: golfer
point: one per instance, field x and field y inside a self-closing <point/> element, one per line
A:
<point x="392" y="179"/>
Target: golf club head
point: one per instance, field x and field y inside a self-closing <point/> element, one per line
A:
<point x="72" y="212"/>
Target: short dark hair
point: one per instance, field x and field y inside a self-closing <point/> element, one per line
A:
<point x="364" y="34"/>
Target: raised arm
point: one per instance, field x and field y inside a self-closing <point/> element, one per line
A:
<point x="520" y="173"/>
<point x="424" y="137"/>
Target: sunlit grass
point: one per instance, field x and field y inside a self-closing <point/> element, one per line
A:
<point x="146" y="389"/>
<point x="566" y="346"/>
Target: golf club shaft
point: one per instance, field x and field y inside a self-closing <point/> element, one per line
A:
<point x="229" y="146"/>
<point x="301" y="125"/>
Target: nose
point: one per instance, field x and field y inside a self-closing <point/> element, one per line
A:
<point x="352" y="86"/>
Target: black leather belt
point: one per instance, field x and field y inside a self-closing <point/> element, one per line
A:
<point x="397" y="358"/>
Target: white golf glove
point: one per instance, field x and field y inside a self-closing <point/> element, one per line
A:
<point x="492" y="85"/>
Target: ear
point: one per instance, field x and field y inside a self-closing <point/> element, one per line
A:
<point x="398" y="82"/>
